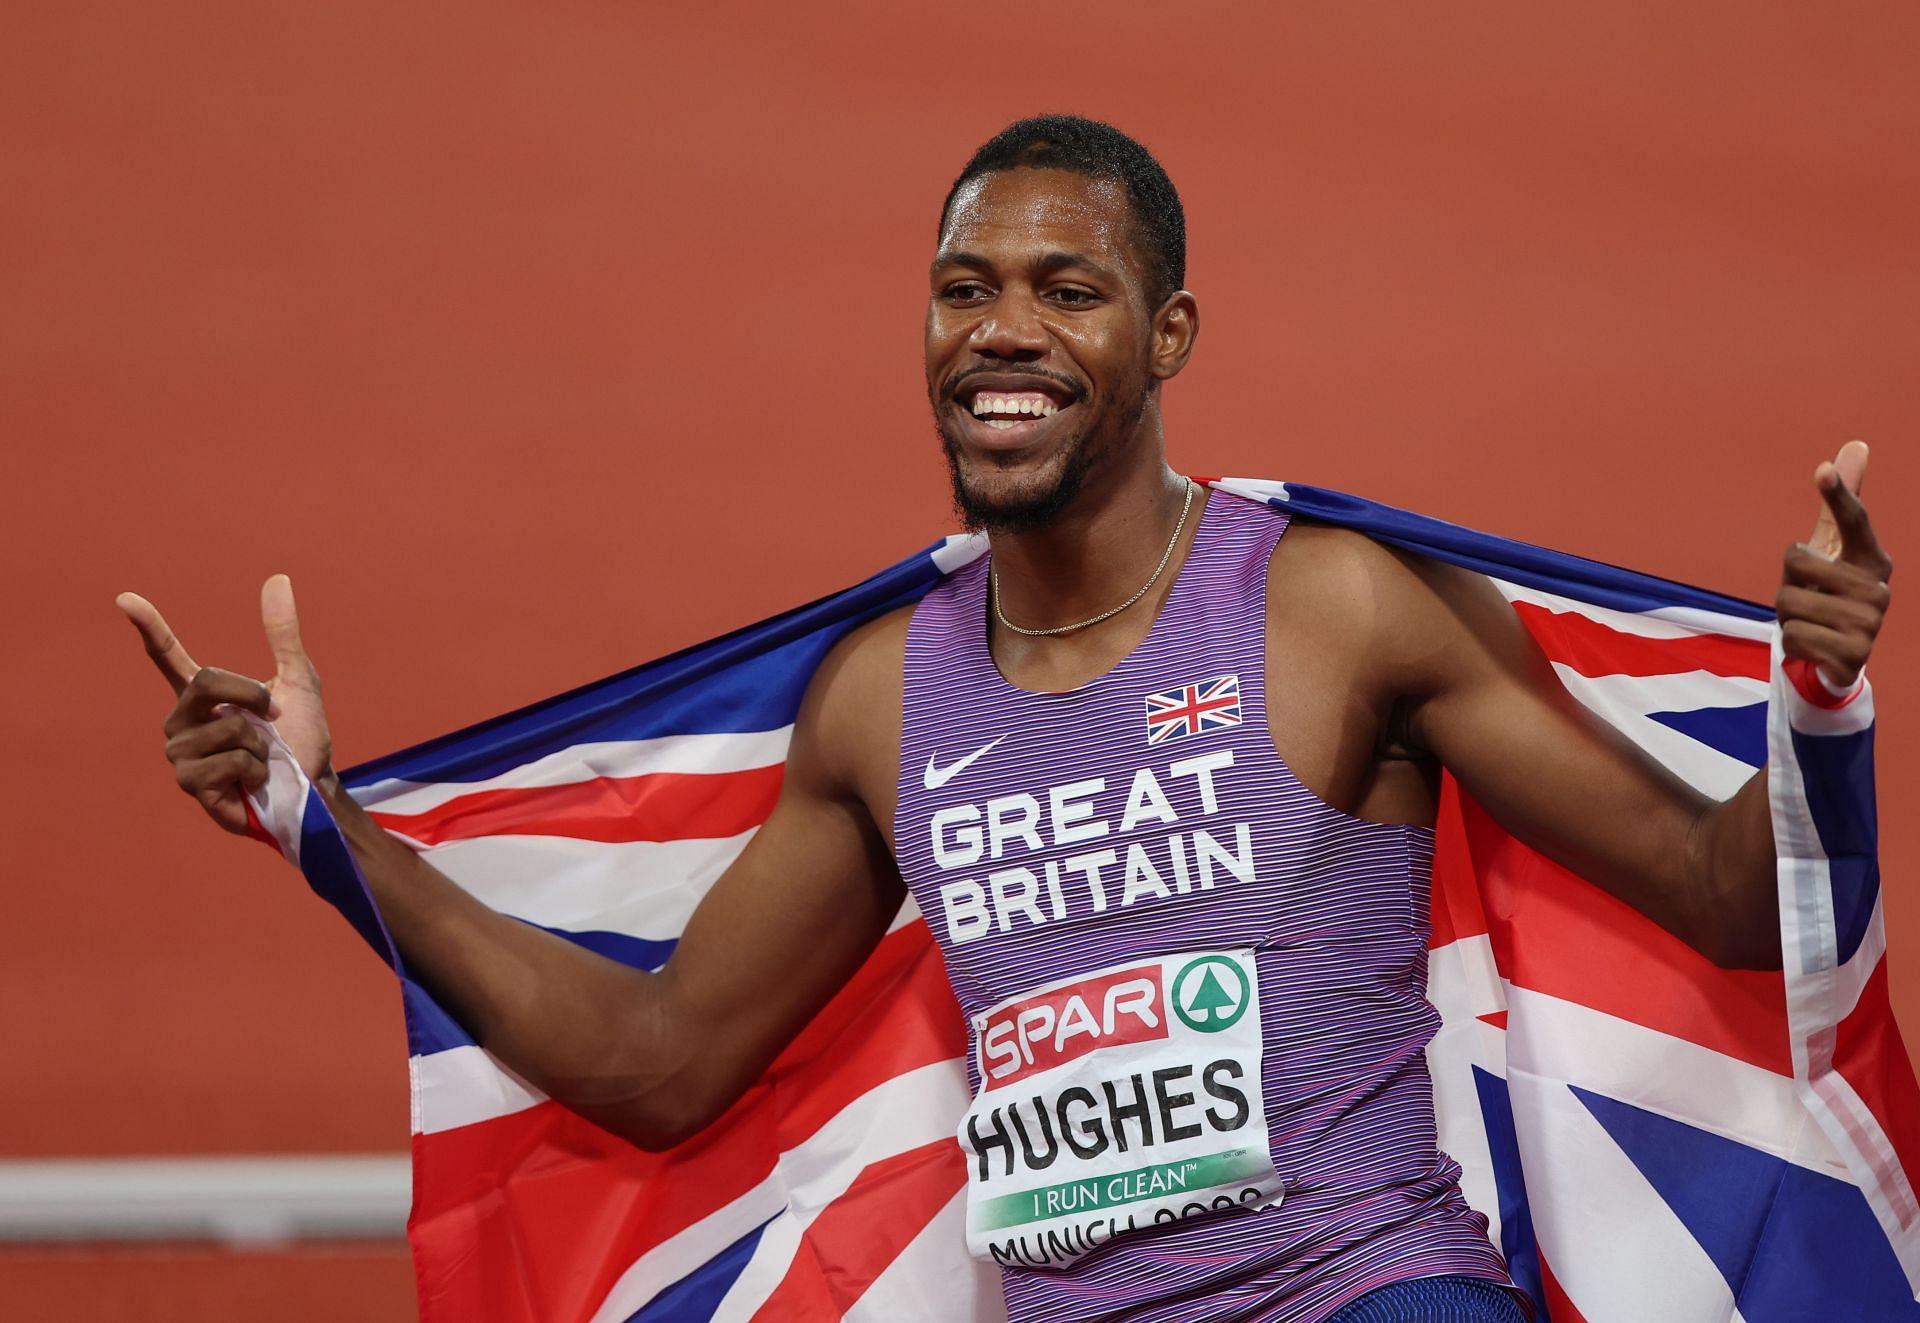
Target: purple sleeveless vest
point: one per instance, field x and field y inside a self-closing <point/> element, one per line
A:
<point x="1196" y="992"/>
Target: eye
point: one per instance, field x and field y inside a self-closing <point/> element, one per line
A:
<point x="1073" y="296"/>
<point x="964" y="292"/>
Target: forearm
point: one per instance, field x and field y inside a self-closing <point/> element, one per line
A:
<point x="1731" y="880"/>
<point x="588" y="1031"/>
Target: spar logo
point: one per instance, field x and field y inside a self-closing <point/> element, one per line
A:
<point x="1211" y="994"/>
<point x="1056" y="1025"/>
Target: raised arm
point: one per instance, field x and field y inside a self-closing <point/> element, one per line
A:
<point x="1489" y="706"/>
<point x="651" y="1057"/>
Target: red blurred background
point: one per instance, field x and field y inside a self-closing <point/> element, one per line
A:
<point x="533" y="344"/>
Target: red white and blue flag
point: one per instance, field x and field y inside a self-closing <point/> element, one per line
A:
<point x="1192" y="708"/>
<point x="1653" y="1139"/>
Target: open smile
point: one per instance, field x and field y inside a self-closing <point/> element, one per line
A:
<point x="1008" y="413"/>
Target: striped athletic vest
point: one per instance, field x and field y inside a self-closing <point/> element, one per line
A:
<point x="1196" y="993"/>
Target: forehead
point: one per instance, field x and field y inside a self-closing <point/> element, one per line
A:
<point x="1011" y="215"/>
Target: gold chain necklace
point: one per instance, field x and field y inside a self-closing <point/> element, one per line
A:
<point x="993" y="584"/>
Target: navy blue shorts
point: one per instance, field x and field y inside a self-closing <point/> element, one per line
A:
<point x="1434" y="1300"/>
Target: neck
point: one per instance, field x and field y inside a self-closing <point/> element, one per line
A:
<point x="1100" y="550"/>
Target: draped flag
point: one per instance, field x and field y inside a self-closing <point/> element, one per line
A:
<point x="1652" y="1139"/>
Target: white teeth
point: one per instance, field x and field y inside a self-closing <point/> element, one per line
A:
<point x="1028" y="406"/>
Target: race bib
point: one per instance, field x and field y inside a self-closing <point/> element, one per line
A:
<point x="1116" y="1100"/>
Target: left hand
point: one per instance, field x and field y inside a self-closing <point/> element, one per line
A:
<point x="1833" y="592"/>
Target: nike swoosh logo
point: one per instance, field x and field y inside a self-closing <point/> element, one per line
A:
<point x="935" y="777"/>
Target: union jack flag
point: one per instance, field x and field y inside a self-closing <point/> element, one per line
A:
<point x="1192" y="708"/>
<point x="1652" y="1139"/>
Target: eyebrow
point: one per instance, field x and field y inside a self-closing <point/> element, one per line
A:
<point x="1045" y="264"/>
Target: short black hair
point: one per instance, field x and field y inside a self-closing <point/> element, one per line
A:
<point x="1098" y="151"/>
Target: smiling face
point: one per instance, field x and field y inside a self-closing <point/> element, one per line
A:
<point x="1042" y="347"/>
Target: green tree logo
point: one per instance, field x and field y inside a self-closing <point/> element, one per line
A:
<point x="1203" y="1001"/>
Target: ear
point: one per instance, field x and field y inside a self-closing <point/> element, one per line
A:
<point x="1175" y="327"/>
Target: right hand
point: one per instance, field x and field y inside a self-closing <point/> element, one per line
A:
<point x="217" y="755"/>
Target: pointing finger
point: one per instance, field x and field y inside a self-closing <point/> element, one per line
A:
<point x="166" y="650"/>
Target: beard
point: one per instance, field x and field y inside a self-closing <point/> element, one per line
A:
<point x="1034" y="504"/>
<point x="1037" y="501"/>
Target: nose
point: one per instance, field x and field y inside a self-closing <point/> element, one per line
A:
<point x="1011" y="329"/>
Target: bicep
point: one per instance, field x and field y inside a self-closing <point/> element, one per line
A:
<point x="804" y="904"/>
<point x="781" y="931"/>
<point x="1550" y="771"/>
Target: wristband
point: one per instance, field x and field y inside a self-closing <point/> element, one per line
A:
<point x="1817" y="689"/>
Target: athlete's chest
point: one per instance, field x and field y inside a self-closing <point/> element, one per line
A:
<point x="1121" y="812"/>
<point x="1321" y="714"/>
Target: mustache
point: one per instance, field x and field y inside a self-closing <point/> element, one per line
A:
<point x="1076" y="390"/>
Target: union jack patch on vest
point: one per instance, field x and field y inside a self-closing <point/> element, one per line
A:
<point x="1192" y="708"/>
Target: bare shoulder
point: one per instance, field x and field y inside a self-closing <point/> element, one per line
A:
<point x="871" y="654"/>
<point x="1392" y="613"/>
<point x="1315" y="558"/>
<point x="846" y="740"/>
<point x="1341" y="583"/>
<point x="1342" y="561"/>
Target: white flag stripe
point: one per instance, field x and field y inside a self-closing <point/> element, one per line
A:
<point x="935" y="1279"/>
<point x="701" y="754"/>
<point x="959" y="549"/>
<point x="771" y="1258"/>
<point x="1554" y="1038"/>
<point x="1698" y="621"/>
<point x="281" y="803"/>
<point x="905" y="1112"/>
<point x="909" y="912"/>
<point x="1463" y="984"/>
<point x="1623" y="702"/>
<point x="1591" y="1228"/>
<point x="682" y="1253"/>
<point x="1819" y="993"/>
<point x="1667" y="622"/>
<point x="1850" y="980"/>
<point x="893" y="1117"/>
<point x="1806" y="719"/>
<point x="1889" y="1193"/>
<point x="1685" y="691"/>
<point x="641" y="888"/>
<point x="1254" y="489"/>
<point x="463" y="1085"/>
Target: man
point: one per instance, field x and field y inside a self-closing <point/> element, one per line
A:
<point x="1268" y="865"/>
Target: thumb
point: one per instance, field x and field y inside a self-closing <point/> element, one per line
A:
<point x="1847" y="470"/>
<point x="1852" y="465"/>
<point x="282" y="624"/>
